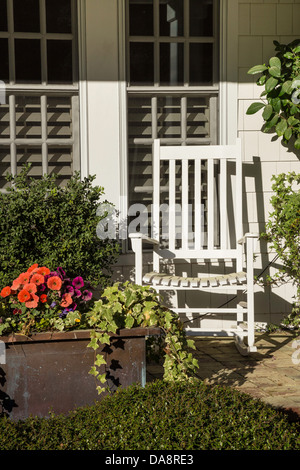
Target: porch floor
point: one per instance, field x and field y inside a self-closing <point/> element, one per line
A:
<point x="272" y="374"/>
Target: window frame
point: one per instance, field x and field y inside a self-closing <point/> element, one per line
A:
<point x="185" y="39"/>
<point x="43" y="89"/>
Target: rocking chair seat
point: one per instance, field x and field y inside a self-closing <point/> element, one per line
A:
<point x="164" y="279"/>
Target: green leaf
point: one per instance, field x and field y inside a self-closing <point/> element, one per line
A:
<point x="281" y="127"/>
<point x="99" y="360"/>
<point x="191" y="343"/>
<point x="261" y="80"/>
<point x="288" y="133"/>
<point x="275" y="62"/>
<point x="275" y="71"/>
<point x="105" y="338"/>
<point x="254" y="107"/>
<point x="276" y="103"/>
<point x="271" y="123"/>
<point x="288" y="55"/>
<point x="297" y="144"/>
<point x="286" y="88"/>
<point x="257" y="69"/>
<point x="129" y="322"/>
<point x="293" y="110"/>
<point x="292" y="121"/>
<point x="102" y="378"/>
<point x="296" y="50"/>
<point x="271" y="84"/>
<point x="93" y="371"/>
<point x="93" y="344"/>
<point x="267" y="112"/>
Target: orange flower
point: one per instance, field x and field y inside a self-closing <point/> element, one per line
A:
<point x="54" y="283"/>
<point x="32" y="268"/>
<point x="32" y="302"/>
<point x="6" y="291"/>
<point x="16" y="284"/>
<point x="30" y="287"/>
<point x="37" y="279"/>
<point x="43" y="271"/>
<point x="23" y="295"/>
<point x="67" y="300"/>
<point x="43" y="298"/>
<point x="24" y="278"/>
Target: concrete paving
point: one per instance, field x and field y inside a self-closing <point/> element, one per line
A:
<point x="272" y="374"/>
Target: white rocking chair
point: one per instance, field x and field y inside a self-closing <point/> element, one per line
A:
<point x="197" y="217"/>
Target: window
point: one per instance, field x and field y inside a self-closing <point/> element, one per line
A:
<point x="172" y="81"/>
<point x="39" y="122"/>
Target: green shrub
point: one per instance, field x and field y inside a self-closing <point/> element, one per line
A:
<point x="161" y="416"/>
<point x="53" y="226"/>
<point x="283" y="234"/>
<point x="281" y="80"/>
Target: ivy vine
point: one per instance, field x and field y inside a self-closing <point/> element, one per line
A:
<point x="128" y="306"/>
<point x="281" y="95"/>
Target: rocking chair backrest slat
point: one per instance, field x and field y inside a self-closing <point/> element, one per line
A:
<point x="223" y="204"/>
<point x="210" y="204"/>
<point x="197" y="202"/>
<point x="204" y="193"/>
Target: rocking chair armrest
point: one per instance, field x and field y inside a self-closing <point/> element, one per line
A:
<point x="143" y="238"/>
<point x="137" y="240"/>
<point x="246" y="236"/>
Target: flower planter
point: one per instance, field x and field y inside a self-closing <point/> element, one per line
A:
<point x="50" y="371"/>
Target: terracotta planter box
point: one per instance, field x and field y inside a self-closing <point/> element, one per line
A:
<point x="50" y="371"/>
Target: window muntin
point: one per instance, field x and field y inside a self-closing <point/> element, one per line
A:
<point x="173" y="118"/>
<point x="171" y="34"/>
<point x="39" y="123"/>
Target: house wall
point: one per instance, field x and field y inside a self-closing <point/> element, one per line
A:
<point x="103" y="95"/>
<point x="259" y="23"/>
<point x="247" y="33"/>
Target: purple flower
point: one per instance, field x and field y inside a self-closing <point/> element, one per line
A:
<point x="61" y="272"/>
<point x="70" y="290"/>
<point x="64" y="313"/>
<point x="78" y="282"/>
<point x="53" y="305"/>
<point x="87" y="295"/>
<point x="53" y="273"/>
<point x="77" y="293"/>
<point x="42" y="287"/>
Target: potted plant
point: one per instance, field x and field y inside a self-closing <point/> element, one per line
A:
<point x="60" y="341"/>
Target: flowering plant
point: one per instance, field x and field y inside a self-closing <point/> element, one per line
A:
<point x="40" y="299"/>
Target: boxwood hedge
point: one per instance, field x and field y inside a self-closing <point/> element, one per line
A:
<point x="161" y="416"/>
